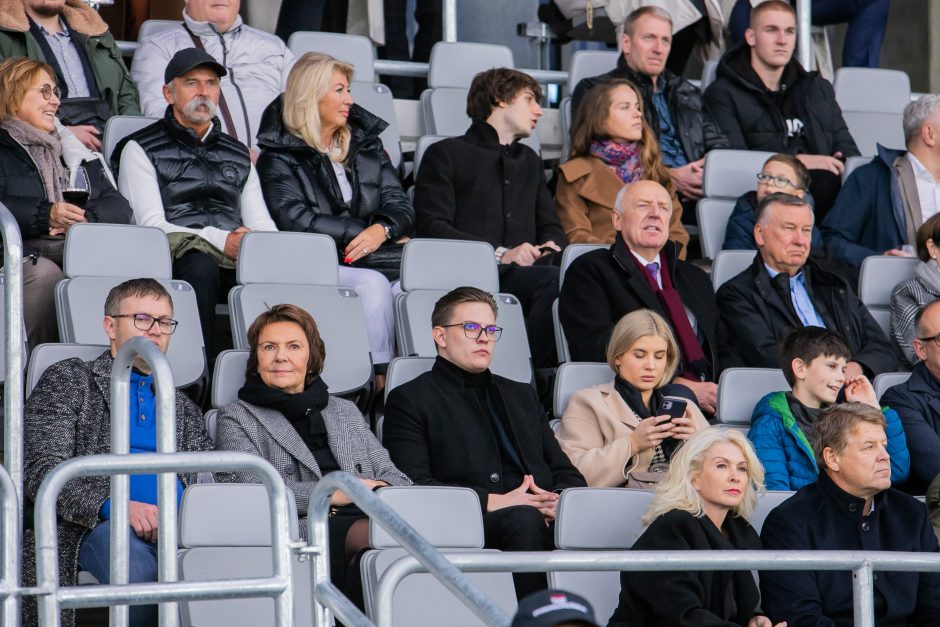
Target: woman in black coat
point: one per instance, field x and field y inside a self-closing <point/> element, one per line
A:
<point x="324" y="170"/>
<point x="701" y="504"/>
<point x="33" y="161"/>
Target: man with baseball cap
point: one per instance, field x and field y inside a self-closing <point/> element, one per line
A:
<point x="185" y="176"/>
<point x="554" y="608"/>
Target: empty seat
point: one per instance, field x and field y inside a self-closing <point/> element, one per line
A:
<point x="730" y="263"/>
<point x="450" y="519"/>
<point x="887" y="380"/>
<point x="730" y="173"/>
<point x="116" y="250"/>
<point x="572" y="377"/>
<point x="354" y="49"/>
<point x="597" y="519"/>
<point x="287" y="257"/>
<point x="45" y="355"/>
<point x="713" y="215"/>
<point x="377" y="99"/>
<point x="872" y="102"/>
<point x="876" y="280"/>
<point x="739" y="389"/>
<point x="454" y="64"/>
<point x="120" y="126"/>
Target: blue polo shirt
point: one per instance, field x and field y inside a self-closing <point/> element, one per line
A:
<point x="143" y="408"/>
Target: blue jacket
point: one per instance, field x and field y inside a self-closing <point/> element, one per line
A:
<point x="739" y="234"/>
<point x="868" y="216"/>
<point x="787" y="456"/>
<point x="917" y="401"/>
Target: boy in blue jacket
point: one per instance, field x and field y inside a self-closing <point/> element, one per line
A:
<point x="813" y="362"/>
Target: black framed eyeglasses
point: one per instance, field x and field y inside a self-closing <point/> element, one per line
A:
<point x="145" y="322"/>
<point x="776" y="181"/>
<point x="47" y="91"/>
<point x="473" y="330"/>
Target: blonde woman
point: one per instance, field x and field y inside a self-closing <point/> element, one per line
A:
<point x="619" y="433"/>
<point x="703" y="503"/>
<point x="324" y="170"/>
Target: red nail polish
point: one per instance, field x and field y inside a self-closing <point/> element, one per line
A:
<point x="347" y="259"/>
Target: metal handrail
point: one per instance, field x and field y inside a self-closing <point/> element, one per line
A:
<point x="10" y="568"/>
<point x="317" y="515"/>
<point x="51" y="596"/>
<point x="13" y="353"/>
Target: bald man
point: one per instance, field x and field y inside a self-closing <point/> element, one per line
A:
<point x="642" y="271"/>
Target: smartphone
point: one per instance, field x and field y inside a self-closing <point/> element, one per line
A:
<point x="673" y="407"/>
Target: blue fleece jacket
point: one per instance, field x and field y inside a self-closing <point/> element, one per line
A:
<point x="787" y="456"/>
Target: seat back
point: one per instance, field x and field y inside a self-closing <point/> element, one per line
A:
<point x="572" y="252"/>
<point x="588" y="63"/>
<point x="739" y="390"/>
<point x="120" y="126"/>
<point x="730" y="173"/>
<point x="228" y="376"/>
<point x="454" y="64"/>
<point x="149" y="28"/>
<point x="876" y="280"/>
<point x="378" y="100"/>
<point x="872" y="102"/>
<point x="713" y="215"/>
<point x="729" y="264"/>
<point x="116" y="250"/>
<point x="444" y="110"/>
<point x="887" y="380"/>
<point x="445" y="264"/>
<point x="766" y="502"/>
<point x="401" y="370"/>
<point x="852" y="164"/>
<point x="287" y="258"/>
<point x="571" y="377"/>
<point x="447" y="517"/>
<point x="354" y="49"/>
<point x="709" y="72"/>
<point x="45" y="355"/>
<point x="421" y="146"/>
<point x="869" y="129"/>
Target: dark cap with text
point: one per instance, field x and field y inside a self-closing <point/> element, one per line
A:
<point x="548" y="608"/>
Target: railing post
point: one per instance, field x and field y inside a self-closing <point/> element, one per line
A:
<point x="11" y="549"/>
<point x="148" y="352"/>
<point x="450" y="20"/>
<point x="804" y="16"/>
<point x="13" y="354"/>
<point x="863" y="595"/>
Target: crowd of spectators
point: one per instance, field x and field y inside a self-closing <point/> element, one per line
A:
<point x="294" y="152"/>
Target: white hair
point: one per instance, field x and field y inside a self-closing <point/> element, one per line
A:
<point x="916" y="115"/>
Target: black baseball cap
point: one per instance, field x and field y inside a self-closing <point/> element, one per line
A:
<point x="189" y="59"/>
<point x="548" y="608"/>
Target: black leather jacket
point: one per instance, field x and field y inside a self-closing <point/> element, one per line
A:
<point x="301" y="190"/>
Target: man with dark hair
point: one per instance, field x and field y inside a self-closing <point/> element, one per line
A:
<point x="71" y="37"/>
<point x="852" y="507"/>
<point x="186" y="177"/>
<point x="68" y="415"/>
<point x="487" y="186"/>
<point x="763" y="99"/>
<point x="672" y="105"/>
<point x="785" y="289"/>
<point x="461" y="425"/>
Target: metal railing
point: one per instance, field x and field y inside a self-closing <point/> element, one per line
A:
<point x="10" y="564"/>
<point x="804" y="26"/>
<point x="14" y="349"/>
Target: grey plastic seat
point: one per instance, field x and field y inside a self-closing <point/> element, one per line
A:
<point x="444" y="110"/>
<point x="228" y="377"/>
<point x="852" y="164"/>
<point x="588" y="63"/>
<point x="120" y="126"/>
<point x="355" y="49"/>
<point x="730" y="173"/>
<point x="730" y="263"/>
<point x="872" y="102"/>
<point x="597" y="519"/>
<point x="116" y="250"/>
<point x="225" y="533"/>
<point x="887" y="380"/>
<point x="149" y="28"/>
<point x="450" y="519"/>
<point x="377" y="99"/>
<point x="766" y="502"/>
<point x="713" y="215"/>
<point x="876" y="280"/>
<point x="288" y="258"/>
<point x="709" y="72"/>
<point x="401" y="370"/>
<point x="444" y="264"/>
<point x="739" y="389"/>
<point x="572" y="377"/>
<point x="421" y="146"/>
<point x="45" y="355"/>
<point x="571" y="252"/>
<point x="454" y="64"/>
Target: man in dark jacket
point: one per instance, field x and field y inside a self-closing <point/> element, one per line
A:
<point x="763" y="99"/>
<point x="672" y="105"/>
<point x="486" y="186"/>
<point x="851" y="507"/>
<point x="883" y="203"/>
<point x="186" y="177"/>
<point x="917" y="401"/>
<point x="71" y="37"/>
<point x="460" y="425"/>
<point x="641" y="270"/>
<point x="785" y="288"/>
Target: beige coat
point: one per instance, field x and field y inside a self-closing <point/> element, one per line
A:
<point x="585" y="198"/>
<point x="595" y="434"/>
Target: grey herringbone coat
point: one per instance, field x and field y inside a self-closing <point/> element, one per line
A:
<point x="267" y="432"/>
<point x="68" y="415"/>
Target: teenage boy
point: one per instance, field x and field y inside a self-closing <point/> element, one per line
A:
<point x="486" y="186"/>
<point x="813" y="360"/>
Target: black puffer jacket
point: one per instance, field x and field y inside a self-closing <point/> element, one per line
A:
<point x="24" y="194"/>
<point x="301" y="190"/>
<point x="748" y="114"/>
<point x="698" y="132"/>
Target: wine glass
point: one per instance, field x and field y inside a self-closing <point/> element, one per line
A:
<point x="77" y="188"/>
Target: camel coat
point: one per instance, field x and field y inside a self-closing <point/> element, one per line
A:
<point x="585" y="198"/>
<point x="595" y="434"/>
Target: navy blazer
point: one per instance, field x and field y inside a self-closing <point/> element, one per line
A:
<point x="917" y="402"/>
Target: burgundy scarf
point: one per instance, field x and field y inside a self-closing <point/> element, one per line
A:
<point x="622" y="159"/>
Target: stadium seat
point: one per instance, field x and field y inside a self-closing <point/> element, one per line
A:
<point x="454" y="64"/>
<point x="225" y="532"/>
<point x="444" y="111"/>
<point x="116" y="250"/>
<point x="739" y="389"/>
<point x="401" y="370"/>
<point x="228" y="377"/>
<point x="730" y="173"/>
<point x="853" y="163"/>
<point x="571" y="377"/>
<point x="378" y="100"/>
<point x="588" y="63"/>
<point x="422" y="145"/>
<point x="766" y="502"/>
<point x="713" y="215"/>
<point x="872" y="102"/>
<point x="355" y="49"/>
<point x="887" y="380"/>
<point x="149" y="28"/>
<point x="597" y="519"/>
<point x="120" y="126"/>
<point x="876" y="280"/>
<point x="287" y="257"/>
<point x="45" y="355"/>
<point x="450" y="519"/>
<point x="443" y="264"/>
<point x="571" y="252"/>
<point x="730" y="263"/>
<point x="709" y="72"/>
<point x="565" y="109"/>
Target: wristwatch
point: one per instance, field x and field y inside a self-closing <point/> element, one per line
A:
<point x="388" y="231"/>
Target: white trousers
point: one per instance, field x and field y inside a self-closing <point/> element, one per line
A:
<point x="377" y="296"/>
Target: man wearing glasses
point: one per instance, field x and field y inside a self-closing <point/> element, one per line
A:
<point x="68" y="415"/>
<point x="785" y="288"/>
<point x="461" y="425"/>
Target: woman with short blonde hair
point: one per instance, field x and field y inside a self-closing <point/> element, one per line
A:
<point x="625" y="432"/>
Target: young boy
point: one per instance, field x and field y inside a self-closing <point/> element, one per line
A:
<point x="813" y="362"/>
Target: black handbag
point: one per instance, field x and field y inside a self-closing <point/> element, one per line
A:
<point x="77" y="111"/>
<point x="387" y="260"/>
